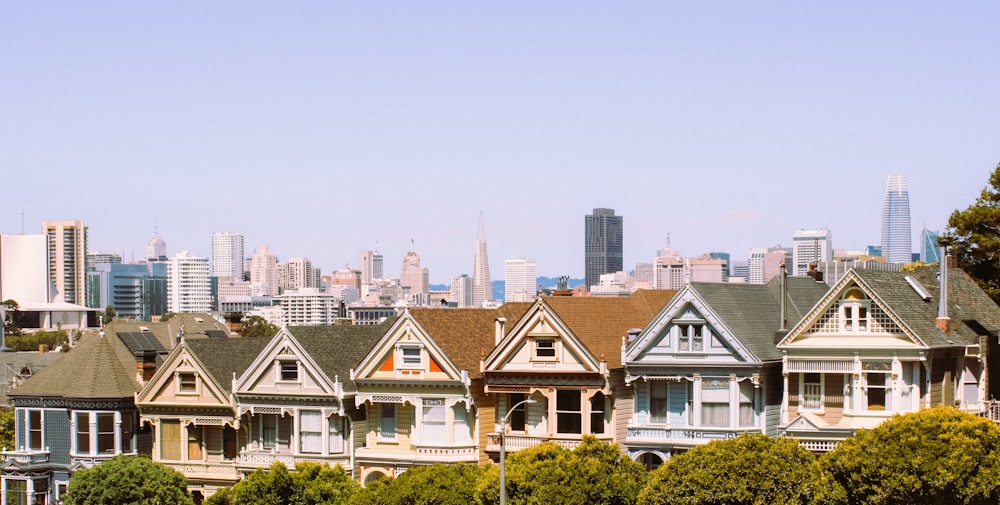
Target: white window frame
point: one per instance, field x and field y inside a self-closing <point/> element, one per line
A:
<point x="179" y="377"/>
<point x="336" y="431"/>
<point x="542" y="347"/>
<point x="409" y="361"/>
<point x="318" y="433"/>
<point x="578" y="413"/>
<point x="666" y="402"/>
<point x="803" y="398"/>
<point x="384" y="434"/>
<point x="434" y="412"/>
<point x="41" y="429"/>
<point x="855" y="313"/>
<point x="691" y="336"/>
<point x="284" y="373"/>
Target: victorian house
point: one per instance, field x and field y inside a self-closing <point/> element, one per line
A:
<point x="884" y="343"/>
<point x="556" y="372"/>
<point x="76" y="413"/>
<point x="706" y="367"/>
<point x="421" y="389"/>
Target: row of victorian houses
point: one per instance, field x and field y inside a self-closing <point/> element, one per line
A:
<point x="657" y="372"/>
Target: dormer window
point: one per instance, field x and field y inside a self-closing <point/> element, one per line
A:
<point x="288" y="371"/>
<point x="187" y="382"/>
<point x="690" y="337"/>
<point x="411" y="357"/>
<point x="854" y="312"/>
<point x="544" y="348"/>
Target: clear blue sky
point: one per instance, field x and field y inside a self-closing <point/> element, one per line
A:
<point x="322" y="128"/>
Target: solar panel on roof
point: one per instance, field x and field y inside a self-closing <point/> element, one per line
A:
<point x="141" y="342"/>
<point x="216" y="334"/>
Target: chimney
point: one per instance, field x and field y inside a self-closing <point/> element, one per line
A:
<point x="782" y="331"/>
<point x="942" y="319"/>
<point x="814" y="272"/>
<point x="501" y="322"/>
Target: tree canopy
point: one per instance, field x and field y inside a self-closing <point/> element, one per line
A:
<point x="126" y="480"/>
<point x="256" y="326"/>
<point x="424" y="485"/>
<point x="974" y="234"/>
<point x="594" y="472"/>
<point x="308" y="484"/>
<point x="938" y="456"/>
<point x="752" y="469"/>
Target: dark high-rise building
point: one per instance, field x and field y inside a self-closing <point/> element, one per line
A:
<point x="602" y="245"/>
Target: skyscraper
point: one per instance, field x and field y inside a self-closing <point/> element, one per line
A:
<point x="810" y="246"/>
<point x="156" y="248"/>
<point x="930" y="251"/>
<point x="188" y="286"/>
<point x="416" y="278"/>
<point x="461" y="290"/>
<point x="896" y="244"/>
<point x="602" y="245"/>
<point x="263" y="273"/>
<point x="370" y="264"/>
<point x="520" y="277"/>
<point x="68" y="259"/>
<point x="227" y="254"/>
<point x="482" y="287"/>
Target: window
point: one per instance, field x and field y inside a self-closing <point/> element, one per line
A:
<point x="690" y="338"/>
<point x="545" y="348"/>
<point x="597" y="409"/>
<point x="812" y="391"/>
<point x="434" y="421"/>
<point x="82" y="433"/>
<point x="658" y="402"/>
<point x="460" y="426"/>
<point x="310" y="431"/>
<point x="229" y="442"/>
<point x="106" y="433"/>
<point x="269" y="430"/>
<point x="516" y="421"/>
<point x="568" y="415"/>
<point x="336" y="434"/>
<point x="34" y="429"/>
<point x="387" y="421"/>
<point x="194" y="442"/>
<point x="170" y="439"/>
<point x="411" y="357"/>
<point x="289" y="371"/>
<point x="747" y="414"/>
<point x="876" y="383"/>
<point x="854" y="311"/>
<point x="128" y="432"/>
<point x="187" y="382"/>
<point x="715" y="402"/>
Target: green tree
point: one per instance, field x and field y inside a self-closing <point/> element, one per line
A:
<point x="594" y="472"/>
<point x="31" y="341"/>
<point x="256" y="326"/>
<point x="424" y="485"/>
<point x="7" y="428"/>
<point x="109" y="314"/>
<point x="938" y="456"/>
<point x="752" y="469"/>
<point x="308" y="484"/>
<point x="10" y="327"/>
<point x="974" y="234"/>
<point x="124" y="480"/>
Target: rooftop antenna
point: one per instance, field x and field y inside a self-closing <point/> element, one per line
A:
<point x="22" y="221"/>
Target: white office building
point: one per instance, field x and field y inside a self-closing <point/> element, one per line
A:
<point x="188" y="287"/>
<point x="308" y="307"/>
<point x="461" y="291"/>
<point x="227" y="254"/>
<point x="810" y="246"/>
<point x="520" y="280"/>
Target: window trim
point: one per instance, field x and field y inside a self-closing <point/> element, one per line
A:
<point x="802" y="393"/>
<point x="187" y="387"/>
<point x="536" y="348"/>
<point x="285" y="373"/>
<point x="382" y="434"/>
<point x="28" y="430"/>
<point x="578" y="413"/>
<point x="411" y="364"/>
<point x="689" y="333"/>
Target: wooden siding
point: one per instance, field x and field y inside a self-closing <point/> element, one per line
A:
<point x="485" y="422"/>
<point x="622" y="406"/>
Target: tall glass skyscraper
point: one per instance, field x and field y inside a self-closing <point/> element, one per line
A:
<point x="603" y="243"/>
<point x="896" y="244"/>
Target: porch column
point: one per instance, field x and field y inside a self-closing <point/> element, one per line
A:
<point x="696" y="400"/>
<point x="734" y="401"/>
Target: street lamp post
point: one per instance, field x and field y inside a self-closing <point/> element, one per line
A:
<point x="503" y="443"/>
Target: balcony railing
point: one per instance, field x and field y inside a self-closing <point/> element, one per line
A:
<point x="657" y="433"/>
<point x="26" y="456"/>
<point x="515" y="443"/>
<point x="264" y="459"/>
<point x="990" y="409"/>
<point x="216" y="470"/>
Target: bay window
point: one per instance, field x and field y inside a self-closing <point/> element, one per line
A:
<point x="597" y="412"/>
<point x="435" y="430"/>
<point x="747" y="414"/>
<point x="170" y="439"/>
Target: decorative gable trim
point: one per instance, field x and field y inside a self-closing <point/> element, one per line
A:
<point x="826" y="313"/>
<point x="284" y="347"/>
<point x="181" y="361"/>
<point x="409" y="351"/>
<point x="541" y="326"/>
<point x="687" y="306"/>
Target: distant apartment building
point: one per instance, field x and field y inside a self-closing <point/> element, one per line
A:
<point x="68" y="259"/>
<point x="668" y="269"/>
<point x="24" y="269"/>
<point x="810" y="246"/>
<point x="346" y="277"/>
<point x="415" y="279"/>
<point x="297" y="273"/>
<point x="642" y="276"/>
<point x="308" y="307"/>
<point x="188" y="285"/>
<point x="137" y="290"/>
<point x="707" y="269"/>
<point x="603" y="244"/>
<point x="227" y="254"/>
<point x="264" y="273"/>
<point x="461" y="291"/>
<point x="370" y="265"/>
<point x="102" y="257"/>
<point x="615" y="284"/>
<point x="520" y="280"/>
<point x="764" y="264"/>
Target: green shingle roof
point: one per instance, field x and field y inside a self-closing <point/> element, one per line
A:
<point x="98" y="367"/>
<point x="338" y="348"/>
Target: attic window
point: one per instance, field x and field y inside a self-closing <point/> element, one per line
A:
<point x="288" y="371"/>
<point x="545" y="349"/>
<point x="187" y="382"/>
<point x="854" y="312"/>
<point x="411" y="357"/>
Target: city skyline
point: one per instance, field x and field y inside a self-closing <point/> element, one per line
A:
<point x="323" y="130"/>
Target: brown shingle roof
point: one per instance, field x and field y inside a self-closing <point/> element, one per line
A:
<point x="465" y="335"/>
<point x="600" y="323"/>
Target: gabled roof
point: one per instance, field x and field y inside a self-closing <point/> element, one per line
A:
<point x="970" y="309"/>
<point x="224" y="358"/>
<point x="752" y="312"/>
<point x="98" y="367"/>
<point x="338" y="348"/>
<point x="469" y="334"/>
<point x="600" y="323"/>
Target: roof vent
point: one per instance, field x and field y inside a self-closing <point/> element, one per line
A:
<point x="919" y="288"/>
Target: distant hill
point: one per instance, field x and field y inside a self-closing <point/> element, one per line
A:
<point x="498" y="286"/>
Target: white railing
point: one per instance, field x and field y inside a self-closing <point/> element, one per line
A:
<point x="217" y="469"/>
<point x="26" y="456"/>
<point x="257" y="459"/>
<point x="818" y="445"/>
<point x="990" y="409"/>
<point x="459" y="452"/>
<point x="515" y="443"/>
<point x="638" y="433"/>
